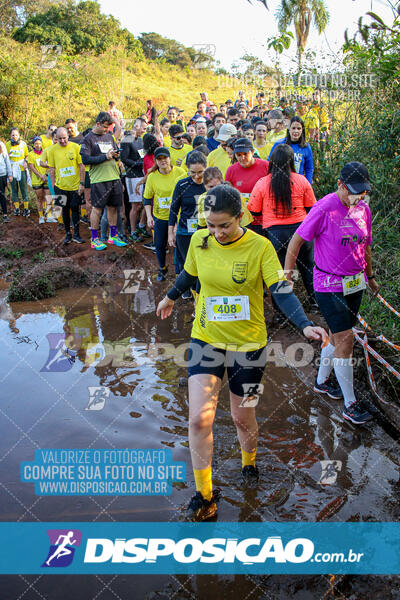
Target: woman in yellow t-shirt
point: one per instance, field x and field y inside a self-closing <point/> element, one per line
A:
<point x="232" y="263"/>
<point x="160" y="185"/>
<point x="38" y="176"/>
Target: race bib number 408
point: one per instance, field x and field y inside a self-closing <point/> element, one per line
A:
<point x="228" y="308"/>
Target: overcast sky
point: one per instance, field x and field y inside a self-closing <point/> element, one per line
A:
<point x="235" y="27"/>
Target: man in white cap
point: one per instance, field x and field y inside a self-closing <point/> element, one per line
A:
<point x="219" y="157"/>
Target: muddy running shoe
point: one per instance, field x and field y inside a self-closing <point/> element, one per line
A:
<point x="42" y="220"/>
<point x="6" y="219"/>
<point x="98" y="245"/>
<point x="60" y="226"/>
<point x="85" y="220"/>
<point x="187" y="295"/>
<point x="67" y="239"/>
<point x="16" y="212"/>
<point x="202" y="510"/>
<point x="27" y="212"/>
<point x="136" y="237"/>
<point x="161" y="274"/>
<point x="250" y="473"/>
<point x="333" y="391"/>
<point x="116" y="241"/>
<point x="143" y="232"/>
<point x="77" y="238"/>
<point x="149" y="246"/>
<point x="51" y="220"/>
<point x="356" y="414"/>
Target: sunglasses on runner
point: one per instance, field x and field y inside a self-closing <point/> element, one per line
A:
<point x="178" y="137"/>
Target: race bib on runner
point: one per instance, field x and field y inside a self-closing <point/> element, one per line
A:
<point x="245" y="198"/>
<point x="353" y="283"/>
<point x="67" y="171"/>
<point x="38" y="161"/>
<point x="164" y="202"/>
<point x="191" y="225"/>
<point x="105" y="147"/>
<point x="228" y="308"/>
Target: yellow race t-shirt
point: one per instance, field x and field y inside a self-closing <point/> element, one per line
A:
<point x="262" y="151"/>
<point x="272" y="138"/>
<point x="178" y="157"/>
<point x="46" y="142"/>
<point x="219" y="158"/>
<point x="244" y="221"/>
<point x="66" y="162"/>
<point x="160" y="187"/>
<point x="230" y="307"/>
<point x="34" y="159"/>
<point x="18" y="152"/>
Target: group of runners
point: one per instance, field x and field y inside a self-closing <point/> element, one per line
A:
<point x="230" y="192"/>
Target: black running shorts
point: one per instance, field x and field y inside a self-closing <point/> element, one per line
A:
<point x="245" y="369"/>
<point x="106" y="193"/>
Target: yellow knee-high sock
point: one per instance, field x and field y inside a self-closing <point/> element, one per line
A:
<point x="44" y="210"/>
<point x="203" y="479"/>
<point x="83" y="211"/>
<point x="26" y="205"/>
<point x="248" y="458"/>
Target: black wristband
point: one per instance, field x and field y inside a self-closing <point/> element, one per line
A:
<point x="371" y="277"/>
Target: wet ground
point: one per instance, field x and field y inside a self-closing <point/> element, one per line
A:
<point x="145" y="405"/>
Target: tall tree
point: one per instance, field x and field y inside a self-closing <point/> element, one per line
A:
<point x="14" y="13"/>
<point x="302" y="13"/>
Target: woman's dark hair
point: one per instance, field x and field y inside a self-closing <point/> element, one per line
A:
<point x="196" y="158"/>
<point x="150" y="143"/>
<point x="222" y="198"/>
<point x="203" y="149"/>
<point x="302" y="140"/>
<point x="231" y="144"/>
<point x="187" y="138"/>
<point x="212" y="173"/>
<point x="281" y="165"/>
<point x="199" y="140"/>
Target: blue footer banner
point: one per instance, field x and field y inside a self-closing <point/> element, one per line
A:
<point x="195" y="548"/>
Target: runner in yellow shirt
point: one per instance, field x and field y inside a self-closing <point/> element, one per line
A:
<point x="67" y="174"/>
<point x="178" y="149"/>
<point x="219" y="157"/>
<point x="18" y="151"/>
<point x="260" y="143"/>
<point x="38" y="176"/>
<point x="277" y="131"/>
<point x="232" y="263"/>
<point x="47" y="138"/>
<point x="159" y="188"/>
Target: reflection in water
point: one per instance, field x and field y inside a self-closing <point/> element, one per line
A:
<point x="104" y="375"/>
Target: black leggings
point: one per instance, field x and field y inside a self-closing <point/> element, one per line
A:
<point x="182" y="247"/>
<point x="73" y="205"/>
<point x="280" y="236"/>
<point x="3" y="200"/>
